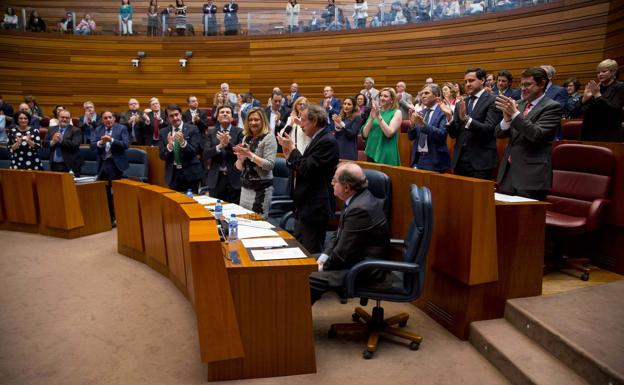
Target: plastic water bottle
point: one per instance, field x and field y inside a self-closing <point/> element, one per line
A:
<point x="189" y="193"/>
<point x="233" y="239"/>
<point x="218" y="210"/>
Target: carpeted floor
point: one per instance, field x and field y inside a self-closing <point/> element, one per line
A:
<point x="76" y="312"/>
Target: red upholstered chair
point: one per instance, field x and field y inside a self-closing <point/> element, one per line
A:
<point x="580" y="193"/>
<point x="571" y="129"/>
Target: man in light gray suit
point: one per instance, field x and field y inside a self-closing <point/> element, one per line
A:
<point x="405" y="100"/>
<point x="530" y="125"/>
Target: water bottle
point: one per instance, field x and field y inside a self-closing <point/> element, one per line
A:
<point x="189" y="193"/>
<point x="218" y="210"/>
<point x="233" y="239"/>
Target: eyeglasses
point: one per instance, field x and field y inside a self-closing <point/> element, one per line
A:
<point x="527" y="85"/>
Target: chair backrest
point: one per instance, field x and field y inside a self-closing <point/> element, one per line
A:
<point x="380" y="186"/>
<point x="581" y="175"/>
<point x="281" y="173"/>
<point x="5" y="158"/>
<point x="89" y="167"/>
<point x="137" y="164"/>
<point x="418" y="239"/>
<point x="571" y="129"/>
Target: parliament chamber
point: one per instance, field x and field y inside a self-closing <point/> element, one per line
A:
<point x="483" y="252"/>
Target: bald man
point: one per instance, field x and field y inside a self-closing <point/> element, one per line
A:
<point x="362" y="232"/>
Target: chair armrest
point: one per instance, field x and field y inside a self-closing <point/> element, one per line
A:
<point x="285" y="218"/>
<point x="378" y="264"/>
<point x="281" y="202"/>
<point x="596" y="214"/>
<point x="397" y="242"/>
<point x="202" y="190"/>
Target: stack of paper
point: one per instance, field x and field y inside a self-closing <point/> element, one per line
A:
<point x="205" y="200"/>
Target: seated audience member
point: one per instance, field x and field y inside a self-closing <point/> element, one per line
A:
<point x="24" y="143"/>
<point x="329" y="13"/>
<point x="255" y="158"/>
<point x="55" y="121"/>
<point x="382" y="128"/>
<point x="195" y="116"/>
<point x="110" y="141"/>
<point x="314" y="25"/>
<point x="362" y="233"/>
<point x="10" y="20"/>
<point x="405" y="99"/>
<point x="221" y="179"/>
<point x="34" y="120"/>
<point x="180" y="145"/>
<point x="428" y="133"/>
<point x="555" y="92"/>
<point x="155" y="119"/>
<point x="293" y="125"/>
<point x="34" y="107"/>
<point x="571" y="110"/>
<point x="362" y="107"/>
<point x="86" y="26"/>
<point x="531" y="124"/>
<point x="346" y="129"/>
<point x="277" y="113"/>
<point x="474" y="7"/>
<point x="36" y="23"/>
<point x="64" y="140"/>
<point x="311" y="177"/>
<point x="602" y="105"/>
<point x="66" y="24"/>
<point x="133" y="121"/>
<point x="88" y="122"/>
<point x="503" y="86"/>
<point x="331" y="105"/>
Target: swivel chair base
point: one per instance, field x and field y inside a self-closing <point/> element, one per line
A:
<point x="374" y="325"/>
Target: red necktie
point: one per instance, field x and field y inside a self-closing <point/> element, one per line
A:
<point x="527" y="108"/>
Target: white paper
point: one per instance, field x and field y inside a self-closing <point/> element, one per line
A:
<point x="205" y="200"/>
<point x="85" y="179"/>
<point x="232" y="208"/>
<point x="511" y="198"/>
<point x="264" y="242"/>
<point x="254" y="232"/>
<point x="252" y="223"/>
<point x="275" y="254"/>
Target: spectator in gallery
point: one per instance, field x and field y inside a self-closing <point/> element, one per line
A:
<point x="153" y="21"/>
<point x="180" y="17"/>
<point x="292" y="15"/>
<point x="230" y="19"/>
<point x="86" y="26"/>
<point x="210" y="19"/>
<point x="125" y="17"/>
<point x="10" y="20"/>
<point x="360" y="13"/>
<point x="66" y="24"/>
<point x="36" y="23"/>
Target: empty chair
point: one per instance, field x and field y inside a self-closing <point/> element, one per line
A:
<point x="137" y="161"/>
<point x="406" y="283"/>
<point x="89" y="167"/>
<point x="5" y="158"/>
<point x="281" y="202"/>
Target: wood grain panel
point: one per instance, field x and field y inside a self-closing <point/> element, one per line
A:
<point x="128" y="215"/>
<point x="18" y="192"/>
<point x="173" y="219"/>
<point x="59" y="207"/>
<point x="150" y="203"/>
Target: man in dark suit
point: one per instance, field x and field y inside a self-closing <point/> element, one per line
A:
<point x="331" y="105"/>
<point x="362" y="232"/>
<point x="194" y="115"/>
<point x="472" y="125"/>
<point x="110" y="142"/>
<point x="64" y="143"/>
<point x="526" y="167"/>
<point x="222" y="180"/>
<point x="88" y="122"/>
<point x="503" y="86"/>
<point x="293" y="96"/>
<point x="311" y="177"/>
<point x="155" y="120"/>
<point x="179" y="145"/>
<point x="277" y="113"/>
<point x="553" y="91"/>
<point x="428" y="132"/>
<point x="133" y="121"/>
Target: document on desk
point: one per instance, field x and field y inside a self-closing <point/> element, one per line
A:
<point x="85" y="179"/>
<point x="205" y="200"/>
<point x="264" y="242"/>
<point x="279" y="253"/>
<point x="231" y="208"/>
<point x="511" y="198"/>
<point x="250" y="231"/>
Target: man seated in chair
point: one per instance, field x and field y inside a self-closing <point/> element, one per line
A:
<point x="362" y="232"/>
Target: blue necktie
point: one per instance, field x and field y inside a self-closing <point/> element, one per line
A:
<point x="57" y="151"/>
<point x="422" y="137"/>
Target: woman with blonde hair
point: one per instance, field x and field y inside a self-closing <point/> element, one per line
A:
<point x="218" y="101"/>
<point x="255" y="160"/>
<point x="449" y="95"/>
<point x="293" y="125"/>
<point x="381" y="131"/>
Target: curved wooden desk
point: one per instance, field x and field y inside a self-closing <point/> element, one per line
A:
<point x="254" y="318"/>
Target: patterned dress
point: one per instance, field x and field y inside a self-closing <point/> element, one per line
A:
<point x="25" y="157"/>
<point x="257" y="181"/>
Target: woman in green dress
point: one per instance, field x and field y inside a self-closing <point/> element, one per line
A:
<point x="381" y="131"/>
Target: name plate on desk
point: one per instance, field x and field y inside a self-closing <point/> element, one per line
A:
<point x="277" y="254"/>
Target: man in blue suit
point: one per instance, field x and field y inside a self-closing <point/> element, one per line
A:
<point x="503" y="86"/>
<point x="553" y="91"/>
<point x="428" y="132"/>
<point x="110" y="141"/>
<point x="331" y="106"/>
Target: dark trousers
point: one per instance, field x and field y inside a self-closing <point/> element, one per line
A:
<point x="464" y="168"/>
<point x="110" y="172"/>
<point x="180" y="183"/>
<point x="311" y="236"/>
<point x="62" y="167"/>
<point x="506" y="187"/>
<point x="224" y="190"/>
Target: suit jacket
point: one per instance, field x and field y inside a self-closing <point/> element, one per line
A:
<point x="313" y="171"/>
<point x="347" y="138"/>
<point x="513" y="93"/>
<point x="121" y="141"/>
<point x="362" y="233"/>
<point x="70" y="146"/>
<point x="224" y="158"/>
<point x="530" y="146"/>
<point x="437" y="157"/>
<point x="558" y="94"/>
<point x="294" y="98"/>
<point x="284" y="114"/>
<point x="88" y="128"/>
<point x="191" y="167"/>
<point x="137" y="135"/>
<point x="334" y="108"/>
<point x="477" y="142"/>
<point x="202" y="124"/>
<point x="403" y="104"/>
<point x="148" y="130"/>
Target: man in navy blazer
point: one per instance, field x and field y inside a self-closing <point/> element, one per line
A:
<point x="311" y="178"/>
<point x="179" y="145"/>
<point x="553" y="91"/>
<point x="110" y="141"/>
<point x="292" y="96"/>
<point x="331" y="105"/>
<point x="503" y="86"/>
<point x="64" y="143"/>
<point x="526" y="167"/>
<point x="428" y="132"/>
<point x="472" y="125"/>
<point x="88" y="122"/>
<point x="154" y="121"/>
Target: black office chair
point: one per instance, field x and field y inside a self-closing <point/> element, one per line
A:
<point x="137" y="161"/>
<point x="406" y="283"/>
<point x="5" y="158"/>
<point x="281" y="202"/>
<point x="89" y="167"/>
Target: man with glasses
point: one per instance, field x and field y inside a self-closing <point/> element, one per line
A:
<point x="132" y="119"/>
<point x="64" y="143"/>
<point x="530" y="125"/>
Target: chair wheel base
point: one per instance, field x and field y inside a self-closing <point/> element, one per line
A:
<point x="414" y="345"/>
<point x="367" y="355"/>
<point x="403" y="324"/>
<point x="585" y="277"/>
<point x="355" y="317"/>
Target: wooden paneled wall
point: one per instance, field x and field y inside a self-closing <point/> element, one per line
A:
<point x="570" y="34"/>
